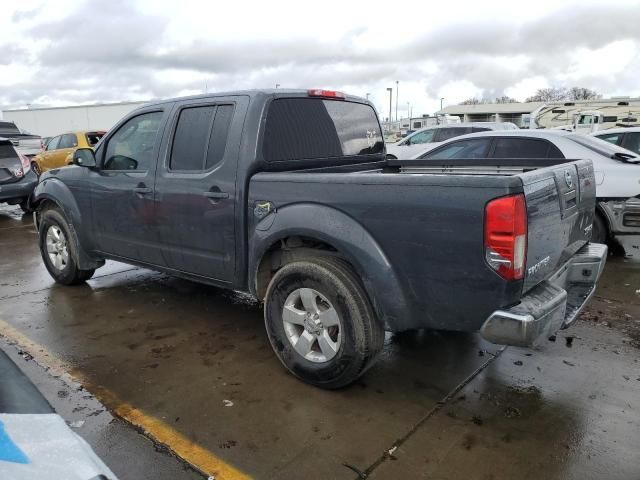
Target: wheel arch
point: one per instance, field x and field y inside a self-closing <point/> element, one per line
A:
<point x="300" y="229"/>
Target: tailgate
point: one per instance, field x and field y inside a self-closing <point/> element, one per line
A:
<point x="10" y="164"/>
<point x="560" y="206"/>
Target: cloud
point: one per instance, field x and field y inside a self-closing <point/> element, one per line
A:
<point x="112" y="51"/>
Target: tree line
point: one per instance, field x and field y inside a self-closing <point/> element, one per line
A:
<point x="552" y="94"/>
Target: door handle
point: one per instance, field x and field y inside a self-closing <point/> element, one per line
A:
<point x="143" y="190"/>
<point x="216" y="195"/>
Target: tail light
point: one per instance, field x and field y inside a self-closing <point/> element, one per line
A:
<point x="317" y="92"/>
<point x="505" y="236"/>
<point x="26" y="165"/>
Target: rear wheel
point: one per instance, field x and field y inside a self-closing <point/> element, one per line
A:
<point x="600" y="232"/>
<point x="320" y="322"/>
<point x="59" y="251"/>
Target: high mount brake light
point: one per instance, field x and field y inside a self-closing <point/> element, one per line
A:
<point x="505" y="236"/>
<point x="316" y="92"/>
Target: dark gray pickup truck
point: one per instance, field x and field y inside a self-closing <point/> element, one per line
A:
<point x="287" y="195"/>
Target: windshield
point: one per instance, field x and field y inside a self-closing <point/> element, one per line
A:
<point x="604" y="148"/>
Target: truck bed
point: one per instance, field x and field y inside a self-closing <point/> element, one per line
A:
<point x="428" y="220"/>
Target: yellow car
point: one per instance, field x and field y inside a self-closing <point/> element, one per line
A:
<point x="59" y="151"/>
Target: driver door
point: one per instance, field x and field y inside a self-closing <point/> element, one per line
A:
<point x="122" y="189"/>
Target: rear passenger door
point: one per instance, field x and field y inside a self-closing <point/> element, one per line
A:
<point x="196" y="194"/>
<point x="632" y="141"/>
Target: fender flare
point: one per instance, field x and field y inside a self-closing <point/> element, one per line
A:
<point x="53" y="190"/>
<point x="349" y="238"/>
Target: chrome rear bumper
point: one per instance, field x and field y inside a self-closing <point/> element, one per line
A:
<point x="551" y="305"/>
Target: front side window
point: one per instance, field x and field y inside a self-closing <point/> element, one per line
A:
<point x="446" y="133"/>
<point x="131" y="147"/>
<point x="53" y="143"/>
<point x="421" y="137"/>
<point x="201" y="137"/>
<point x="469" y="148"/>
<point x="68" y="140"/>
<point x="611" y="138"/>
<point x="93" y="138"/>
<point x="310" y="128"/>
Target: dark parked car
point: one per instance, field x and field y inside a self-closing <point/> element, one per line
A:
<point x="17" y="180"/>
<point x="287" y="195"/>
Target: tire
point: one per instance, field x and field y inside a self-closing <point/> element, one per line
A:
<point x="600" y="232"/>
<point x="356" y="335"/>
<point x="59" y="250"/>
<point x="24" y="205"/>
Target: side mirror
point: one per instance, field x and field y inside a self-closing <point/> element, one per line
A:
<point x="407" y="142"/>
<point x="84" y="157"/>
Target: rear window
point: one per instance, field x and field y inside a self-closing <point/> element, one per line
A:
<point x="307" y="129"/>
<point x="7" y="151"/>
<point x="8" y="128"/>
<point x="93" y="138"/>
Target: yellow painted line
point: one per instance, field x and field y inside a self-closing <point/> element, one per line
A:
<point x="189" y="451"/>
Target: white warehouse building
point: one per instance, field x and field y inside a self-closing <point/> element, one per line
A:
<point x="517" y="112"/>
<point x="51" y="121"/>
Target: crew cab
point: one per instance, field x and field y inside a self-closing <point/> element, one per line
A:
<point x="287" y="194"/>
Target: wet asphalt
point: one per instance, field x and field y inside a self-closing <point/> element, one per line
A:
<point x="437" y="405"/>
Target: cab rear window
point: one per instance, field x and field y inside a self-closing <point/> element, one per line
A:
<point x="310" y="129"/>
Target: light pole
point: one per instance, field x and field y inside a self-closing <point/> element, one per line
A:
<point x="409" y="114"/>
<point x="397" y="100"/>
<point x="441" y="103"/>
<point x="390" y="90"/>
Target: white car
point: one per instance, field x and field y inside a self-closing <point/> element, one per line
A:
<point x="617" y="170"/>
<point x="430" y="137"/>
<point x="628" y="137"/>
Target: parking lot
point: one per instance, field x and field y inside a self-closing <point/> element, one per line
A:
<point x="135" y="353"/>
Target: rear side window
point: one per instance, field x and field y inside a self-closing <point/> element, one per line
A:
<point x="524" y="148"/>
<point x="7" y="151"/>
<point x="200" y="138"/>
<point x="309" y="128"/>
<point x="469" y="148"/>
<point x="68" y="141"/>
<point x="93" y="138"/>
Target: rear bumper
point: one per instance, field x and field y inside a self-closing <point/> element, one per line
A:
<point x="20" y="190"/>
<point x="553" y="304"/>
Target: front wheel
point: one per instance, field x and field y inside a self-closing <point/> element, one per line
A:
<point x="59" y="251"/>
<point x="320" y="322"/>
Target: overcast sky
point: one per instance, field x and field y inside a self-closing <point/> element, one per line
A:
<point x="71" y="51"/>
